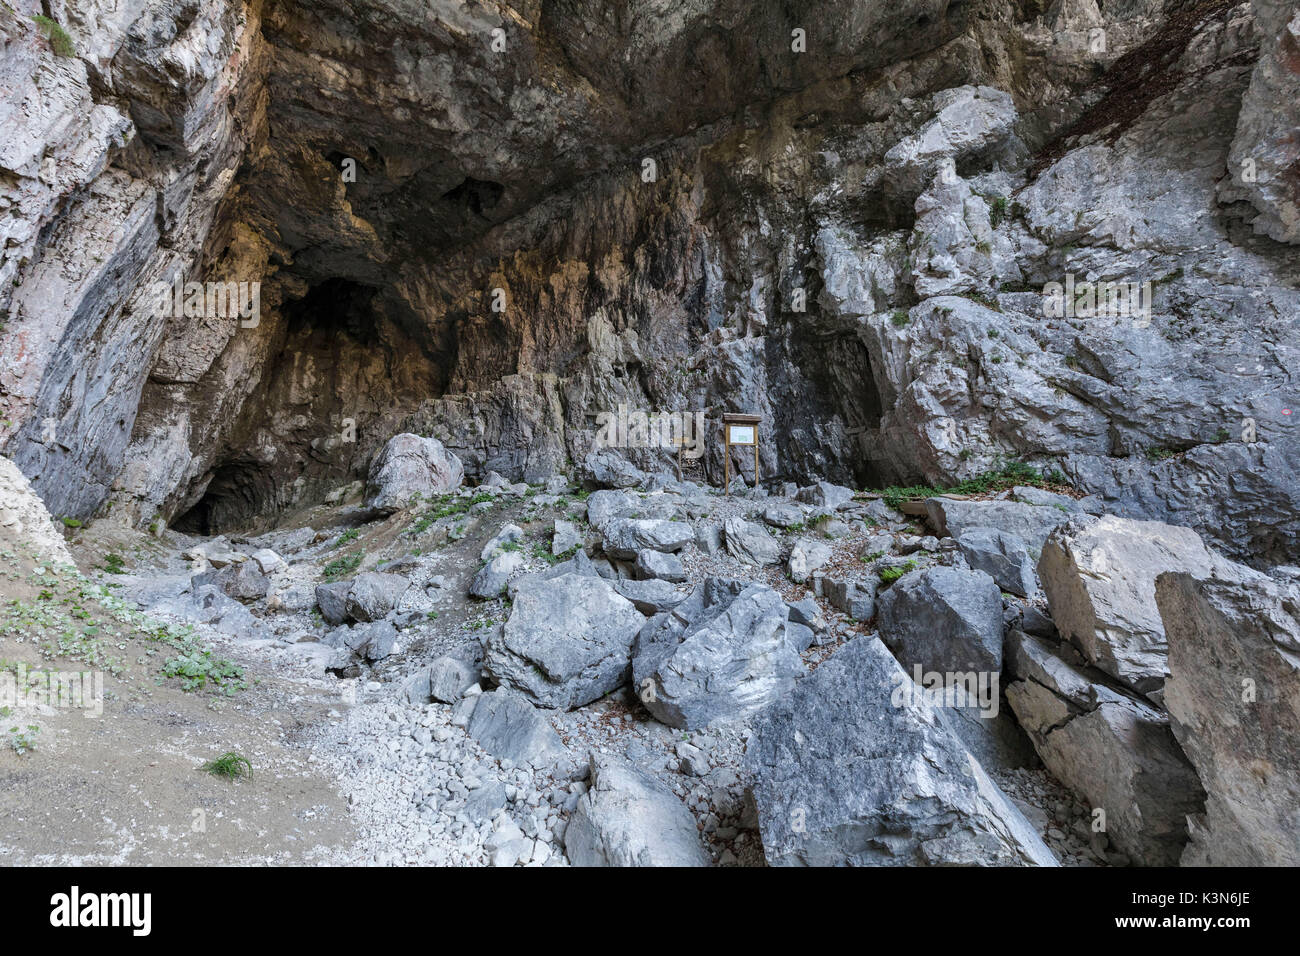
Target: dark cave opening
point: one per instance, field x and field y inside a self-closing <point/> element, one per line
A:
<point x="234" y="497"/>
<point x="347" y="366"/>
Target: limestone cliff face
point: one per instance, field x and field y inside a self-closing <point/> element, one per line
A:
<point x="492" y="222"/>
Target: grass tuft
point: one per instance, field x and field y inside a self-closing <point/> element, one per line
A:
<point x="230" y="765"/>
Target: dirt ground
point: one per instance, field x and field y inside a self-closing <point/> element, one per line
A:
<point x="126" y="787"/>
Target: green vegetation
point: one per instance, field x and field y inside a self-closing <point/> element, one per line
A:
<point x="350" y="535"/>
<point x="1159" y="454"/>
<point x="446" y="506"/>
<point x="60" y="42"/>
<point x="998" y="206"/>
<point x="74" y="619"/>
<point x="341" y="567"/>
<point x="113" y="564"/>
<point x="70" y="522"/>
<point x="1009" y="475"/>
<point x="23" y="740"/>
<point x="230" y="765"/>
<point x="899" y="318"/>
<point x="890" y="575"/>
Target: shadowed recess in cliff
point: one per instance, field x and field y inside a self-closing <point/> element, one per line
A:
<point x="348" y="365"/>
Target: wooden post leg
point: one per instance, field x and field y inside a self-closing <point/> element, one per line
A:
<point x="756" y="458"/>
<point x="726" y="471"/>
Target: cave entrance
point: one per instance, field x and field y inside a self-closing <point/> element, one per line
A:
<point x="349" y="365"/>
<point x="237" y="495"/>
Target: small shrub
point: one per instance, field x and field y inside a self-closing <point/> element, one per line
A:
<point x="23" y="740"/>
<point x="229" y="765"/>
<point x="890" y="575"/>
<point x="998" y="206"/>
<point x="60" y="42"/>
<point x="340" y="567"/>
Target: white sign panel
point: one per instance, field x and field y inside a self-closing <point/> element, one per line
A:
<point x="740" y="434"/>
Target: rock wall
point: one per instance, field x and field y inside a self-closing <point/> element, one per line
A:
<point x="491" y="238"/>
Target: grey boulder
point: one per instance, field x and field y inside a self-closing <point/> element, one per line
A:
<point x="491" y="579"/>
<point x="244" y="581"/>
<point x="807" y="555"/>
<point x="1111" y="748"/>
<point x="626" y="537"/>
<point x="657" y="564"/>
<point x="1234" y="696"/>
<point x="1031" y="523"/>
<point x="943" y="619"/>
<point x="374" y="595"/>
<point x="567" y="642"/>
<point x="848" y="771"/>
<point x="507" y="726"/>
<point x="410" y="467"/>
<point x="1099" y="575"/>
<point x="750" y="542"/>
<point x="823" y="494"/>
<point x="1001" y="555"/>
<point x="721" y="654"/>
<point x="628" y="818"/>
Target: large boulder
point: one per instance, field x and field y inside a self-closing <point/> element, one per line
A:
<point x="850" y="769"/>
<point x="1031" y="522"/>
<point x="1099" y="574"/>
<point x="567" y="642"/>
<point x="660" y="566"/>
<point x="491" y="579"/>
<point x="408" y="468"/>
<point x="1106" y="744"/>
<point x="607" y="468"/>
<point x="943" y="619"/>
<point x="1234" y="696"/>
<point x="807" y="555"/>
<point x="721" y="654"/>
<point x="1001" y="555"/>
<point x="509" y="727"/>
<point x="823" y="494"/>
<point x="374" y="595"/>
<point x="626" y="537"/>
<point x="244" y="582"/>
<point x="332" y="599"/>
<point x="650" y="597"/>
<point x="750" y="542"/>
<point x="629" y="818"/>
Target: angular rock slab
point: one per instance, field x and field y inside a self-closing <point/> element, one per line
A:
<point x="943" y="619"/>
<point x="507" y="726"/>
<point x="1223" y="633"/>
<point x="625" y="537"/>
<point x="567" y="642"/>
<point x="628" y="818"/>
<point x="721" y="654"/>
<point x="374" y="595"/>
<point x="1032" y="523"/>
<point x="1001" y="555"/>
<point x="1110" y="747"/>
<point x="1099" y="575"/>
<point x="842" y="776"/>
<point x="411" y="466"/>
<point x="750" y="542"/>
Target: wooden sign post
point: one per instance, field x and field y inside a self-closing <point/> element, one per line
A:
<point x="739" y="430"/>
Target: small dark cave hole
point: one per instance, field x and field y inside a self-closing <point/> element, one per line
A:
<point x="235" y="497"/>
<point x="477" y="195"/>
